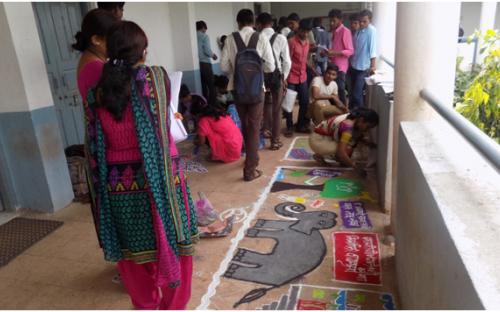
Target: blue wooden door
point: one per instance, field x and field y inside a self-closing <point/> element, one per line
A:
<point x="58" y="22"/>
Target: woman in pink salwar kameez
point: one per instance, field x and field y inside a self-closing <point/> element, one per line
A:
<point x="144" y="213"/>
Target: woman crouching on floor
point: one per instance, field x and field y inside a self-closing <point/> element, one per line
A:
<point x="338" y="136"/>
<point x="217" y="129"/>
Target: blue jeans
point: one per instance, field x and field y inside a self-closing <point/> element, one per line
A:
<point x="303" y="97"/>
<point x="341" y="86"/>
<point x="357" y="78"/>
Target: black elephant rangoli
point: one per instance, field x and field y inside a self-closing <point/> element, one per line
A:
<point x="299" y="249"/>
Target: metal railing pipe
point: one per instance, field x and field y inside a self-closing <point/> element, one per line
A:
<point x="390" y="63"/>
<point x="483" y="143"/>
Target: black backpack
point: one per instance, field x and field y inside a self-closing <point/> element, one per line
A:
<point x="273" y="80"/>
<point x="248" y="73"/>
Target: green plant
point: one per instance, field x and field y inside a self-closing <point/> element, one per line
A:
<point x="463" y="79"/>
<point x="477" y="94"/>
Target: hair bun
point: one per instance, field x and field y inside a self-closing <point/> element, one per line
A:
<point x="80" y="44"/>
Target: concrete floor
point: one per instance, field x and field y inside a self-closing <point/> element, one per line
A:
<point x="66" y="269"/>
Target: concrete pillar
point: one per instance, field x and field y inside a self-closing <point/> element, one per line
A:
<point x="33" y="166"/>
<point x="486" y="21"/>
<point x="182" y="17"/>
<point x="426" y="34"/>
<point x="384" y="20"/>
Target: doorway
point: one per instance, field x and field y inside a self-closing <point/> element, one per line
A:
<point x="57" y="23"/>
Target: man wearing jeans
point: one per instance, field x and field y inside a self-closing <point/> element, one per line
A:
<point x="341" y="50"/>
<point x="363" y="61"/>
<point x="297" y="80"/>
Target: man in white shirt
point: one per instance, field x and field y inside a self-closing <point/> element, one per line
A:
<point x="274" y="95"/>
<point x="250" y="115"/>
<point x="324" y="101"/>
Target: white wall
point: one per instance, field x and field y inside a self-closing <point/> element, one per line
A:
<point x="497" y="18"/>
<point x="310" y="9"/>
<point x="219" y="18"/>
<point x="25" y="82"/>
<point x="447" y="222"/>
<point x="469" y="17"/>
<point x="154" y="18"/>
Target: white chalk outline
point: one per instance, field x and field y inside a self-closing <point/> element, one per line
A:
<point x="216" y="277"/>
<point x="290" y="150"/>
<point x="225" y="214"/>
<point x="211" y="290"/>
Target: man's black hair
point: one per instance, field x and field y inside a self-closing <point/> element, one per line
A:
<point x="245" y="17"/>
<point x="264" y="19"/>
<point x="317" y="22"/>
<point x="293" y="17"/>
<point x="354" y="17"/>
<point x="282" y="21"/>
<point x="110" y="6"/>
<point x="366" y="13"/>
<point x="200" y="25"/>
<point x="333" y="67"/>
<point x="335" y="13"/>
<point x="305" y="24"/>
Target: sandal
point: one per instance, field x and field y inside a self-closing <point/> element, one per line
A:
<point x="257" y="174"/>
<point x="267" y="134"/>
<point x="276" y="146"/>
<point x="289" y="133"/>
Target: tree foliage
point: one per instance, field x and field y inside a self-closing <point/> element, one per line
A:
<point x="477" y="92"/>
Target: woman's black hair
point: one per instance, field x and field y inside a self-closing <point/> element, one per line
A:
<point x="126" y="43"/>
<point x="200" y="108"/>
<point x="95" y="23"/>
<point x="222" y="41"/>
<point x="184" y="91"/>
<point x="110" y="6"/>
<point x="369" y="115"/>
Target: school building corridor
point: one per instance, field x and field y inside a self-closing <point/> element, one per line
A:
<point x="419" y="231"/>
<point x="66" y="269"/>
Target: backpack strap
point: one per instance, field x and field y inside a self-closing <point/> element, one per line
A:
<point x="273" y="37"/>
<point x="240" y="45"/>
<point x="252" y="44"/>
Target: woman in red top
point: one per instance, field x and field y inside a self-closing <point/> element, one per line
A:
<point x="91" y="42"/>
<point x="216" y="126"/>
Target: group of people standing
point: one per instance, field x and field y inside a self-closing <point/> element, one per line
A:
<point x="299" y="55"/>
<point x="141" y="202"/>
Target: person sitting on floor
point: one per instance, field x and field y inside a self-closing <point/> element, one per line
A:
<point x="216" y="126"/>
<point x="186" y="100"/>
<point x="224" y="98"/>
<point x="338" y="136"/>
<point x="324" y="93"/>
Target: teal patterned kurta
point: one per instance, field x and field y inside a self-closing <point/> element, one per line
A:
<point x="125" y="218"/>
